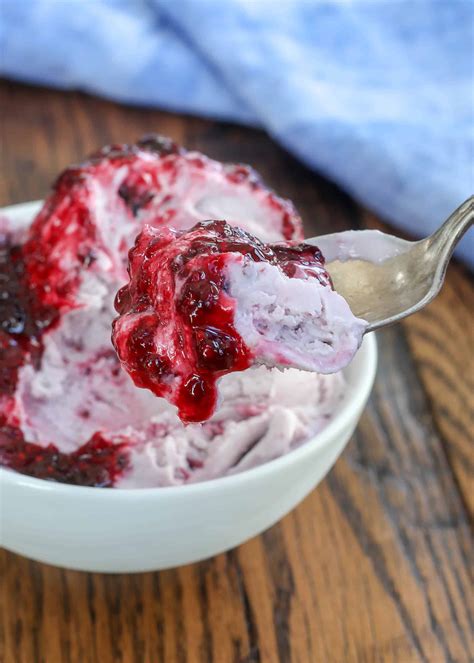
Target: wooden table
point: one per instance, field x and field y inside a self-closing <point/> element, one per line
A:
<point x="373" y="566"/>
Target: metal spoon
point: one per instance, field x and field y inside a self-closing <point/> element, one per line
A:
<point x="384" y="278"/>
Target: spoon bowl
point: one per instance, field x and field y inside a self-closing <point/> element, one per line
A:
<point x="384" y="278"/>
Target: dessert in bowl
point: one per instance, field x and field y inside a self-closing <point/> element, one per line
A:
<point x="71" y="415"/>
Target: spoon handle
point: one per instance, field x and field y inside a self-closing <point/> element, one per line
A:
<point x="444" y="240"/>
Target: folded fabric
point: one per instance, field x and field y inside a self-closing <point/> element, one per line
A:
<point x="378" y="96"/>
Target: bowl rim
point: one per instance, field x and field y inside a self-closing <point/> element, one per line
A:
<point x="353" y="401"/>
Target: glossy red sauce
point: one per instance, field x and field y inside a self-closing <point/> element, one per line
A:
<point x="23" y="320"/>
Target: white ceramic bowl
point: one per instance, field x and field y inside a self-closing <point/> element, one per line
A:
<point x="117" y="530"/>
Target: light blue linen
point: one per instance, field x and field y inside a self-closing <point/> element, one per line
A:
<point x="375" y="94"/>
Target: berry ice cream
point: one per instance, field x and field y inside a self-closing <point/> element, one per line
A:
<point x="214" y="300"/>
<point x="68" y="411"/>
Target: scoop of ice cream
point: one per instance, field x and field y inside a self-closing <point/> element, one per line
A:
<point x="214" y="300"/>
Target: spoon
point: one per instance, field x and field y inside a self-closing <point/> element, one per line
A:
<point x="384" y="278"/>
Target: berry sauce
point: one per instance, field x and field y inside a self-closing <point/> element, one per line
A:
<point x="23" y="320"/>
<point x="175" y="334"/>
<point x="96" y="463"/>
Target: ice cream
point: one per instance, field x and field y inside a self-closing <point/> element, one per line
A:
<point x="68" y="412"/>
<point x="213" y="300"/>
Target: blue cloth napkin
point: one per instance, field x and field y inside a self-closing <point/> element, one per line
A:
<point x="375" y="94"/>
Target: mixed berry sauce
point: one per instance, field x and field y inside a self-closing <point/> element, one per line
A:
<point x="23" y="321"/>
<point x="98" y="463"/>
<point x="175" y="334"/>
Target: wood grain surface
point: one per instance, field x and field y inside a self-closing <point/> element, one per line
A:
<point x="373" y="567"/>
